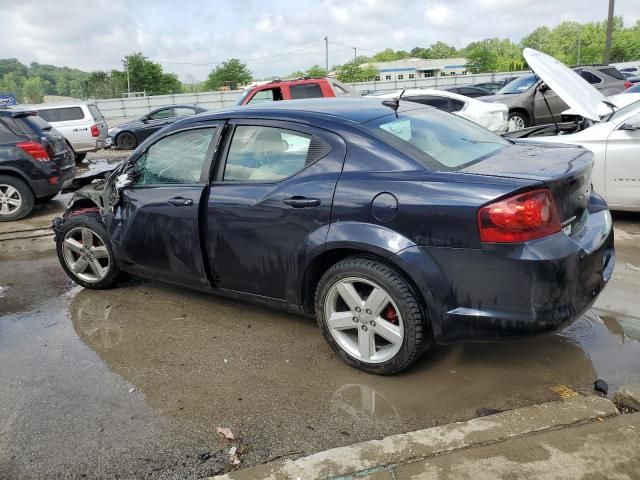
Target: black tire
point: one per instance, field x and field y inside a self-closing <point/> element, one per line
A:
<point x="520" y="117"/>
<point x="126" y="141"/>
<point x="24" y="194"/>
<point x="417" y="330"/>
<point x="80" y="157"/>
<point x="93" y="222"/>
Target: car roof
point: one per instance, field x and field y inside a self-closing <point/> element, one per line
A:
<point x="411" y="92"/>
<point x="345" y="109"/>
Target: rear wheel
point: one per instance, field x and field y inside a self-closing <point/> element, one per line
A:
<point x="518" y="120"/>
<point x="370" y="316"/>
<point x="126" y="141"/>
<point x="85" y="253"/>
<point x="16" y="199"/>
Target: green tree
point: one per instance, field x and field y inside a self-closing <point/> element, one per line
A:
<point x="12" y="83"/>
<point x="147" y="76"/>
<point x="441" y="50"/>
<point x="34" y="89"/>
<point x="232" y="74"/>
<point x="296" y="74"/>
<point x="316" y="71"/>
<point x="353" y="72"/>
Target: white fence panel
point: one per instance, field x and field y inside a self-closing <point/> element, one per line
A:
<point x="118" y="110"/>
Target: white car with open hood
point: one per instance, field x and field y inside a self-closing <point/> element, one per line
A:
<point x="492" y="116"/>
<point x="613" y="138"/>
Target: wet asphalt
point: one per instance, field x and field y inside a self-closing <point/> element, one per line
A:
<point x="133" y="382"/>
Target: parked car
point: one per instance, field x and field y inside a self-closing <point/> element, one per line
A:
<point x="613" y="137"/>
<point x="471" y="91"/>
<point x="82" y="125"/>
<point x="35" y="162"/>
<point x="129" y="135"/>
<point x="294" y="90"/>
<point x="635" y="88"/>
<point x="496" y="85"/>
<point x="630" y="70"/>
<point x="492" y="116"/>
<point x="631" y="81"/>
<point x="526" y="95"/>
<point x="395" y="224"/>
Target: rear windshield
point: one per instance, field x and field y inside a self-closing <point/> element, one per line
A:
<point x="624" y="110"/>
<point x="438" y="140"/>
<point x="612" y="72"/>
<point x="63" y="114"/>
<point x="95" y="113"/>
<point x="305" y="90"/>
<point x="519" y="85"/>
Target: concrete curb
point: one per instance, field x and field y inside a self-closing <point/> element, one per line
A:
<point x="373" y="455"/>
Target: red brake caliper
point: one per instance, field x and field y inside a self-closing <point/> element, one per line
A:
<point x="390" y="314"/>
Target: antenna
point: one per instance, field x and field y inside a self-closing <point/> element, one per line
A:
<point x="394" y="103"/>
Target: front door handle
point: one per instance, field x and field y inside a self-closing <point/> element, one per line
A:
<point x="302" y="202"/>
<point x="180" y="202"/>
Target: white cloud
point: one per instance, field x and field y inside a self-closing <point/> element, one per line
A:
<point x="441" y="15"/>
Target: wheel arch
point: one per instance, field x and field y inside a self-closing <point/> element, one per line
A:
<point x="522" y="111"/>
<point x="14" y="172"/>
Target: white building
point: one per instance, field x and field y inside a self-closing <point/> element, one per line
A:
<point x="413" y="68"/>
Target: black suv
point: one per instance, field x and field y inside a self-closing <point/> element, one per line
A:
<point x="34" y="163"/>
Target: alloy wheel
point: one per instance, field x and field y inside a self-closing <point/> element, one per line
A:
<point x="516" y="123"/>
<point x="86" y="254"/>
<point x="364" y="320"/>
<point x="10" y="199"/>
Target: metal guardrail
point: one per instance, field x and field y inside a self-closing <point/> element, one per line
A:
<point x="118" y="110"/>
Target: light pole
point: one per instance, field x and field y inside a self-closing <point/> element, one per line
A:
<point x="607" y="46"/>
<point x="578" y="45"/>
<point x="128" y="82"/>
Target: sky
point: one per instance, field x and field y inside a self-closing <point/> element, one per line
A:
<point x="190" y="37"/>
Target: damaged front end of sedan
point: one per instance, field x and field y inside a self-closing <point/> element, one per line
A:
<point x="95" y="191"/>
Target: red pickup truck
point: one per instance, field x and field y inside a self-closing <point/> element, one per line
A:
<point x="295" y="89"/>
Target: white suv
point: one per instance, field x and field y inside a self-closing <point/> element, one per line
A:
<point x="81" y="124"/>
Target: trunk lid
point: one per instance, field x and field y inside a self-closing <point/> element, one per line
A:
<point x="564" y="169"/>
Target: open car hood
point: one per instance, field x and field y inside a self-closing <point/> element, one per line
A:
<point x="567" y="84"/>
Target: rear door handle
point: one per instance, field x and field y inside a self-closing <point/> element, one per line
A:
<point x="302" y="202"/>
<point x="180" y="202"/>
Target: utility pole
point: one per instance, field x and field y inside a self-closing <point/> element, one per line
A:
<point x="128" y="82"/>
<point x="607" y="46"/>
<point x="355" y="54"/>
<point x="326" y="53"/>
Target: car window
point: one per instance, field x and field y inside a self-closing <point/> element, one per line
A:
<point x="160" y="114"/>
<point x="184" y="111"/>
<point x="6" y="135"/>
<point x="624" y="110"/>
<point x="178" y="158"/>
<point x="96" y="113"/>
<point x="519" y="85"/>
<point x="306" y="90"/>
<point x="268" y="95"/>
<point x="612" y="72"/>
<point x="590" y="77"/>
<point x="456" y="105"/>
<point x="265" y="154"/>
<point x="436" y="139"/>
<point x="441" y="103"/>
<point x="65" y="114"/>
<point x="635" y="88"/>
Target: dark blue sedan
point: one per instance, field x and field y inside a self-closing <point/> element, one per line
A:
<point x="395" y="226"/>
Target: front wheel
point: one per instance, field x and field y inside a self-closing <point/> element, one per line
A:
<point x="371" y="316"/>
<point x="517" y="121"/>
<point x="16" y="199"/>
<point x="85" y="253"/>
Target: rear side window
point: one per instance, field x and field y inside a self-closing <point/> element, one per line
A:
<point x="456" y="105"/>
<point x="64" y="114"/>
<point x="590" y="77"/>
<point x="266" y="154"/>
<point x="438" y="140"/>
<point x="612" y="72"/>
<point x="6" y="135"/>
<point x="96" y="113"/>
<point x="306" y="90"/>
<point x="441" y="103"/>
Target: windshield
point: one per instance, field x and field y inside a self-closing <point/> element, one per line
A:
<point x="437" y="139"/>
<point x="519" y="85"/>
<point x="624" y="110"/>
<point x="242" y="97"/>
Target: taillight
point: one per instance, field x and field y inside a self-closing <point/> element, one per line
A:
<point x="36" y="150"/>
<point x="628" y="84"/>
<point x="95" y="131"/>
<point x="520" y="218"/>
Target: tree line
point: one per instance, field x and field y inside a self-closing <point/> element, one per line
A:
<point x="570" y="42"/>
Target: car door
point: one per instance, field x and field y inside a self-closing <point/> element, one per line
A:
<point x="155" y="121"/>
<point x="540" y="109"/>
<point x="622" y="167"/>
<point x="154" y="228"/>
<point x="270" y="204"/>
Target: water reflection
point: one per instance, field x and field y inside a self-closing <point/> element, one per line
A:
<point x="213" y="360"/>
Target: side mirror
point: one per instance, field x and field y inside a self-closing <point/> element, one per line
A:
<point x="632" y="123"/>
<point x="543" y="87"/>
<point x="144" y="119"/>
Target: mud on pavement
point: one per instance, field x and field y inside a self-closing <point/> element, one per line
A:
<point x="134" y="381"/>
